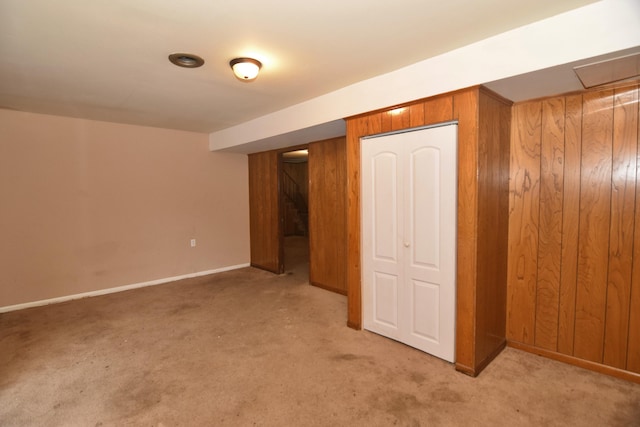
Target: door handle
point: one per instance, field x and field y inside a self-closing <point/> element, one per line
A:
<point x="407" y="244"/>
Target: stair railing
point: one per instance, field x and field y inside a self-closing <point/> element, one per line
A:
<point x="291" y="190"/>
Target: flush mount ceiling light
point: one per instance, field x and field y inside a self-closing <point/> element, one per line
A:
<point x="186" y="60"/>
<point x="245" y="69"/>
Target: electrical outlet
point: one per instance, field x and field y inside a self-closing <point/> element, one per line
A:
<point x="193" y="243"/>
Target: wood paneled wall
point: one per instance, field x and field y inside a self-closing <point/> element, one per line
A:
<point x="494" y="130"/>
<point x="483" y="147"/>
<point x="574" y="229"/>
<point x="328" y="214"/>
<point x="264" y="212"/>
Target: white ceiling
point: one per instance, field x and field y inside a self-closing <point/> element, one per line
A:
<point x="107" y="59"/>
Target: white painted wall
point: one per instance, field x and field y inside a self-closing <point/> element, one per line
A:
<point x="597" y="29"/>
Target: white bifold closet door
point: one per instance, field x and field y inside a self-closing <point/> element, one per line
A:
<point x="409" y="197"/>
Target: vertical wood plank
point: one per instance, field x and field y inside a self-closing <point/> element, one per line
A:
<point x="264" y="211"/>
<point x="593" y="244"/>
<point x="372" y="125"/>
<point x="492" y="219"/>
<point x="570" y="223"/>
<point x="550" y="223"/>
<point x="327" y="214"/>
<point x="503" y="210"/>
<point x="416" y="115"/>
<point x="623" y="193"/>
<point x="317" y="254"/>
<point x="386" y="121"/>
<point x="465" y="110"/>
<point x="341" y="214"/>
<point x="486" y="220"/>
<point x="633" y="351"/>
<point x="400" y="118"/>
<point x="356" y="128"/>
<point x="523" y="221"/>
<point x="438" y="110"/>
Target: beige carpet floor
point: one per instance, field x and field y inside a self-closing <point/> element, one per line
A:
<point x="249" y="348"/>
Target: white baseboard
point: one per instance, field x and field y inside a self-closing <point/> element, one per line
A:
<point x="117" y="289"/>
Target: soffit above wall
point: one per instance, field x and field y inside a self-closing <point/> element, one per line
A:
<point x="557" y="80"/>
<point x="528" y="62"/>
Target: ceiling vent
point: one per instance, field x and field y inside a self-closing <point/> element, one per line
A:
<point x="186" y="60"/>
<point x="609" y="71"/>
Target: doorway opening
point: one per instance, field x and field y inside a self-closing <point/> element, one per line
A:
<point x="294" y="211"/>
<point x="314" y="239"/>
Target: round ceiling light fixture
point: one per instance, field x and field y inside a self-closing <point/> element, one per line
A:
<point x="186" y="60"/>
<point x="245" y="69"/>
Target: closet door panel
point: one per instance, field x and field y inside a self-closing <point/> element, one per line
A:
<point x="429" y="239"/>
<point x="408" y="238"/>
<point x="383" y="262"/>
